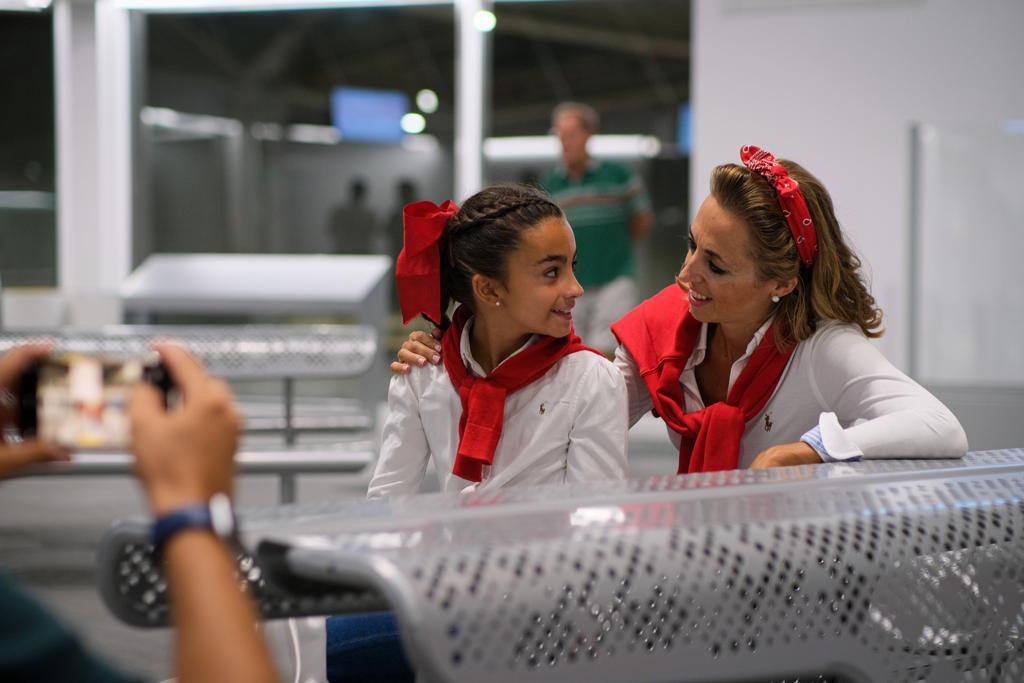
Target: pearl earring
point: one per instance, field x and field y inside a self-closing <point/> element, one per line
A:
<point x="775" y="299"/>
<point x="497" y="303"/>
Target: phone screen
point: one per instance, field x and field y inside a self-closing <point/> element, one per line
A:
<point x="82" y="401"/>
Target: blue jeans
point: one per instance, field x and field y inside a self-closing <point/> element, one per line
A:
<point x="365" y="647"/>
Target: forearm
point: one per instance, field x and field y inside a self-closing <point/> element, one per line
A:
<point x="921" y="433"/>
<point x="871" y="409"/>
<point x="217" y="639"/>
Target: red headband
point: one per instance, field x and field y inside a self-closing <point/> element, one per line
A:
<point x="418" y="269"/>
<point x="791" y="199"/>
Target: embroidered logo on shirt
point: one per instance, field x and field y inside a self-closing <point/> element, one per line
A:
<point x="542" y="408"/>
<point x="767" y="422"/>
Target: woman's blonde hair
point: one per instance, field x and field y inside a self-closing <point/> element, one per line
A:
<point x="833" y="288"/>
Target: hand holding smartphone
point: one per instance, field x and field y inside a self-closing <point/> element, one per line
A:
<point x="80" y="401"/>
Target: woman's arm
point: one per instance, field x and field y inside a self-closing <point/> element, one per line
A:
<point x="404" y="451"/>
<point x="638" y="400"/>
<point x="872" y="409"/>
<point x="598" y="441"/>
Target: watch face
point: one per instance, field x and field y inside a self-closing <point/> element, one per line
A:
<point x="222" y="516"/>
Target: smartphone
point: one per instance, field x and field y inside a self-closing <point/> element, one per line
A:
<point x="80" y="400"/>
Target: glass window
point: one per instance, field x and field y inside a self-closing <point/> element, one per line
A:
<point x="28" y="247"/>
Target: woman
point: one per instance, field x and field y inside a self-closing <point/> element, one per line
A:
<point x="759" y="356"/>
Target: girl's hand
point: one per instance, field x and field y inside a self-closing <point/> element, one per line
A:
<point x="419" y="349"/>
<point x="787" y="454"/>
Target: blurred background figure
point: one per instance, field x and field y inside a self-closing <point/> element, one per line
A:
<point x="609" y="210"/>
<point x="352" y="226"/>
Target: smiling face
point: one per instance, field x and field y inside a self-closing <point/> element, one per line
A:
<point x="719" y="272"/>
<point x="540" y="289"/>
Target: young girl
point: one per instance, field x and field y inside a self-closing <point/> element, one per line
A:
<point x="518" y="399"/>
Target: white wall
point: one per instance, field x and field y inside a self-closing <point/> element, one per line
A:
<point x="835" y="85"/>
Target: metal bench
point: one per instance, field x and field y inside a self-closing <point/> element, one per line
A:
<point x="881" y="570"/>
<point x="235" y="352"/>
<point x="896" y="571"/>
<point x="248" y="352"/>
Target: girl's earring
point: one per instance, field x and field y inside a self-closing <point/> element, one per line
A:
<point x="775" y="299"/>
<point x="497" y="303"/>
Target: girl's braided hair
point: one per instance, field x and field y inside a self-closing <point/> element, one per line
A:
<point x="480" y="237"/>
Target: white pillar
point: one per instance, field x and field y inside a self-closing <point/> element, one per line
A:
<point x="92" y="60"/>
<point x="471" y="95"/>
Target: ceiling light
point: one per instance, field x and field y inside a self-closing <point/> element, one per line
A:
<point x="547" y="147"/>
<point x="413" y="123"/>
<point x="24" y="5"/>
<point x="484" y="21"/>
<point x="314" y="135"/>
<point x="198" y="125"/>
<point x="426" y="100"/>
<point x="272" y="132"/>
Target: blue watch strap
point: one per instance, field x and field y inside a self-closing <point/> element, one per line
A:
<point x="216" y="516"/>
<point x="188" y="517"/>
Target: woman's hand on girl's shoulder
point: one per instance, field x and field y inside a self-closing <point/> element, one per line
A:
<point x="421" y="348"/>
<point x="784" y="455"/>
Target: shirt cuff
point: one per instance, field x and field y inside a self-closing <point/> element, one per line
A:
<point x="813" y="439"/>
<point x="836" y="445"/>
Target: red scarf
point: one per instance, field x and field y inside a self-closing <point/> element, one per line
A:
<point x="660" y="334"/>
<point x="483" y="398"/>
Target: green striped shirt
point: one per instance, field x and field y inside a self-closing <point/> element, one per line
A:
<point x="600" y="207"/>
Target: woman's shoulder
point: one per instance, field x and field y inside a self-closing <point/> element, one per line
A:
<point x="841" y="347"/>
<point x="831" y="333"/>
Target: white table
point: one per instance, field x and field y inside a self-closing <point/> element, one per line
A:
<point x="266" y="285"/>
<point x="259" y="284"/>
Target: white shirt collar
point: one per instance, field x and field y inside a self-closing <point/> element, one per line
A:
<point x="466" y="351"/>
<point x="700" y="350"/>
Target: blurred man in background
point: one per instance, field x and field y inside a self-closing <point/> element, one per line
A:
<point x="352" y="227"/>
<point x="609" y="211"/>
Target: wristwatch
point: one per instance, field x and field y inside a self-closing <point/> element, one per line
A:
<point x="217" y="516"/>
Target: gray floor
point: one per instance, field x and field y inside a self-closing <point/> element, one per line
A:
<point x="50" y="528"/>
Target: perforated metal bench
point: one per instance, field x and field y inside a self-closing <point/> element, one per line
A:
<point x="235" y="352"/>
<point x="891" y="571"/>
<point x="883" y="570"/>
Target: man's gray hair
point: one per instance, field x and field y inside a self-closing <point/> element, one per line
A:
<point x="588" y="115"/>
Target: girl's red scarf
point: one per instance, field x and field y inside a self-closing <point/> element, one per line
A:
<point x="660" y="334"/>
<point x="483" y="398"/>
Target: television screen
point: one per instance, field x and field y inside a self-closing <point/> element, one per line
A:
<point x="368" y="114"/>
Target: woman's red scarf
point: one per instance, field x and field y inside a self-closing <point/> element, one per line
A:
<point x="483" y="398"/>
<point x="660" y="334"/>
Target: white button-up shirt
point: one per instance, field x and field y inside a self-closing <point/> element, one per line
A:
<point x="569" y="425"/>
<point x="836" y="380"/>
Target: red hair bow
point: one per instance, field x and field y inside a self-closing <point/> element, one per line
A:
<point x="791" y="199"/>
<point x="418" y="269"/>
